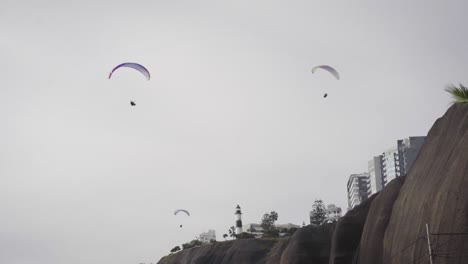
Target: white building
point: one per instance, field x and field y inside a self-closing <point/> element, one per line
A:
<point x="257" y="229"/>
<point x="375" y="174"/>
<point x="394" y="162"/>
<point x="207" y="237"/>
<point x="408" y="149"/>
<point x="357" y="189"/>
<point x="390" y="165"/>
<point x="287" y="226"/>
<point x="254" y="229"/>
<point x="333" y="213"/>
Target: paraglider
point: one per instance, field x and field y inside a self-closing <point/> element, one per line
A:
<point x="134" y="66"/>
<point x="140" y="68"/>
<point x="181" y="210"/>
<point x="327" y="68"/>
<point x="330" y="70"/>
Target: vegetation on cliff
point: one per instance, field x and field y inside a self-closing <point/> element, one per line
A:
<point x="319" y="213"/>
<point x="459" y="94"/>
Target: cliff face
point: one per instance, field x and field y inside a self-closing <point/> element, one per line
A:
<point x="372" y="240"/>
<point x="238" y="251"/>
<point x="390" y="227"/>
<point x="307" y="245"/>
<point x="347" y="235"/>
<point x="435" y="192"/>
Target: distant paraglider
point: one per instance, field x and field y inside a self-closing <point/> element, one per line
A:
<point x="330" y="70"/>
<point x="181" y="210"/>
<point x="327" y="68"/>
<point x="134" y="66"/>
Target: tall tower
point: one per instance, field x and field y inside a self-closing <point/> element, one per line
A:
<point x="238" y="215"/>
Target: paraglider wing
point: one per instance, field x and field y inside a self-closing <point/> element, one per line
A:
<point x="327" y="68"/>
<point x="181" y="210"/>
<point x="134" y="66"/>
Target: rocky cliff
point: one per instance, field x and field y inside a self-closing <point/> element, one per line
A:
<point x="435" y="192"/>
<point x="348" y="232"/>
<point x="307" y="245"/>
<point x="390" y="227"/>
<point x="372" y="239"/>
<point x="237" y="251"/>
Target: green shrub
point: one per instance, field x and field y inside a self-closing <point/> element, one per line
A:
<point x="459" y="94"/>
<point x="244" y="235"/>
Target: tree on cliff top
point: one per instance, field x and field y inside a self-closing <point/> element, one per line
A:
<point x="459" y="94"/>
<point x="232" y="232"/>
<point x="175" y="249"/>
<point x="268" y="224"/>
<point x="319" y="213"/>
<point x="191" y="244"/>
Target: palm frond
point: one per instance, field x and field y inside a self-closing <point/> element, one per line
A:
<point x="459" y="94"/>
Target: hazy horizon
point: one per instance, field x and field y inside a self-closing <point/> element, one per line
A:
<point x="232" y="114"/>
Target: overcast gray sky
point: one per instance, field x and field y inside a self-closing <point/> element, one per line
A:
<point x="232" y="114"/>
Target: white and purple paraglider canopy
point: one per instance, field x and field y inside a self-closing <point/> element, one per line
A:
<point x="327" y="68"/>
<point x="134" y="66"/>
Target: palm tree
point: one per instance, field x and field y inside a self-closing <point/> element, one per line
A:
<point x="459" y="94"/>
<point x="232" y="232"/>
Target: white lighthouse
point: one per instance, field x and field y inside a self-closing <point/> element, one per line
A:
<point x="238" y="215"/>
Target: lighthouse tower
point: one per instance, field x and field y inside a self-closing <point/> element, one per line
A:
<point x="238" y="215"/>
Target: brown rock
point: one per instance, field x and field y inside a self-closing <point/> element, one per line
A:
<point x="435" y="192"/>
<point x="242" y="251"/>
<point x="371" y="246"/>
<point x="308" y="245"/>
<point x="348" y="233"/>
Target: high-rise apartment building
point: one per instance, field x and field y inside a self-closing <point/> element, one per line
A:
<point x="409" y="150"/>
<point x="375" y="174"/>
<point x="398" y="160"/>
<point x="357" y="189"/>
<point x="390" y="165"/>
<point x="394" y="162"/>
